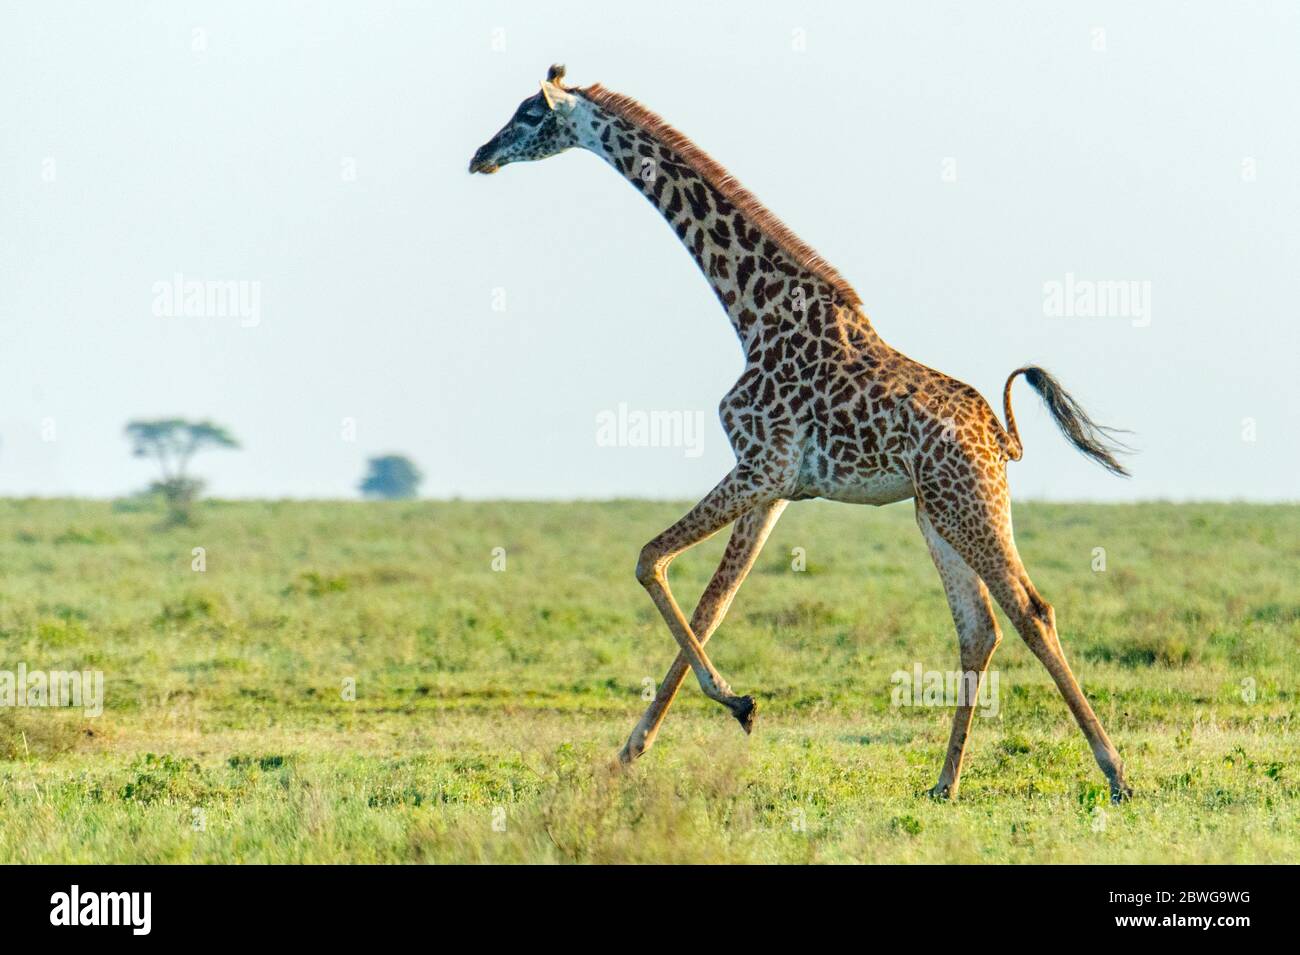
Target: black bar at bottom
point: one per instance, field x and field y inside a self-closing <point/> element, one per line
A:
<point x="341" y="904"/>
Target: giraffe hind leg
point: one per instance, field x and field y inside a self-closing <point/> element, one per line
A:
<point x="979" y="529"/>
<point x="977" y="637"/>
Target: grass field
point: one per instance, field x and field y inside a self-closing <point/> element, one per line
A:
<point x="489" y="703"/>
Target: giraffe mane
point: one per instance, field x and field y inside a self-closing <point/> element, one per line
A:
<point x="803" y="254"/>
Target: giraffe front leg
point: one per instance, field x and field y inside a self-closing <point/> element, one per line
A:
<point x="747" y="538"/>
<point x="737" y="493"/>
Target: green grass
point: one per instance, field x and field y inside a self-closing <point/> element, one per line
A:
<point x="496" y="700"/>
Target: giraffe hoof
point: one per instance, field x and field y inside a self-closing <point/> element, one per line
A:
<point x="744" y="710"/>
<point x="1120" y="793"/>
<point x="940" y="793"/>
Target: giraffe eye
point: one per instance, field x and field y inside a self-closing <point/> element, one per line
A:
<point x="531" y="113"/>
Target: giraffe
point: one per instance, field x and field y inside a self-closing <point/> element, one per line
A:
<point x="823" y="408"/>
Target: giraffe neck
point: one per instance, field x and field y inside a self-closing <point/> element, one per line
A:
<point x="768" y="282"/>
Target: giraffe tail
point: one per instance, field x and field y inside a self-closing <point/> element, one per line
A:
<point x="1096" y="441"/>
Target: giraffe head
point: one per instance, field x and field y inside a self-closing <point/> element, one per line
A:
<point x="541" y="127"/>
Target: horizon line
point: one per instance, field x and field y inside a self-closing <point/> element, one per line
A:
<point x="615" y="499"/>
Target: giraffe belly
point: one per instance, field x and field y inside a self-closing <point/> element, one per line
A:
<point x="852" y="485"/>
<point x="871" y="489"/>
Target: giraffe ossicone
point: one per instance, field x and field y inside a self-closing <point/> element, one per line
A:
<point x="823" y="408"/>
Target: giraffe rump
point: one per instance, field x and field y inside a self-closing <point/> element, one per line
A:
<point x="1094" y="440"/>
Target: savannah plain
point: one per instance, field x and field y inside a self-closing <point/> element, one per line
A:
<point x="450" y="682"/>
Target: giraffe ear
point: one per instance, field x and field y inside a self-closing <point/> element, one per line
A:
<point x="555" y="94"/>
<point x="553" y="90"/>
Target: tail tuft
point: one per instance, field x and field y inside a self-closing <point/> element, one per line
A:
<point x="1096" y="441"/>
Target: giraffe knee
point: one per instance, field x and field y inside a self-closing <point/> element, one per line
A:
<point x="1037" y="623"/>
<point x="1042" y="613"/>
<point x="650" y="565"/>
<point x="979" y="645"/>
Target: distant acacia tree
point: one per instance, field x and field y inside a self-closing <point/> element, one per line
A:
<point x="172" y="442"/>
<point x="391" y="477"/>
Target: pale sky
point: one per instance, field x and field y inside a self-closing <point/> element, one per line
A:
<point x="950" y="159"/>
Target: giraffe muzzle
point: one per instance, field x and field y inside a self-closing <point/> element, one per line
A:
<point x="482" y="161"/>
